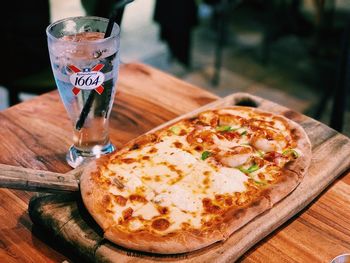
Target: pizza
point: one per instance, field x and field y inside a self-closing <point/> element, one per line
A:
<point x="196" y="181"/>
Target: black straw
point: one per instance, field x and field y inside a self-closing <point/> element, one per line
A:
<point x="85" y="111"/>
<point x="116" y="16"/>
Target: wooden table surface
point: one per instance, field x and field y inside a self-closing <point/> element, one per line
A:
<point x="37" y="134"/>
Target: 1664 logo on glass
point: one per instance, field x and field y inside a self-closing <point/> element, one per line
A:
<point x="87" y="79"/>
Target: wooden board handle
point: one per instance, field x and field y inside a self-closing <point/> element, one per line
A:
<point x="36" y="180"/>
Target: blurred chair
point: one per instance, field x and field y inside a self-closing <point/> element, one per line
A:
<point x="176" y="20"/>
<point x="221" y="11"/>
<point x="283" y="18"/>
<point x="25" y="63"/>
<point x="341" y="91"/>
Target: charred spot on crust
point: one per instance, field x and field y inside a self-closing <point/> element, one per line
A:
<point x="209" y="207"/>
<point x="160" y="224"/>
<point x="152" y="137"/>
<point x="134" y="147"/>
<point x="128" y="160"/>
<point x="162" y="210"/>
<point x="177" y="144"/>
<point x="120" y="200"/>
<point x="146" y="139"/>
<point x="137" y="198"/>
<point x="153" y="150"/>
<point x="198" y="148"/>
<point x="127" y="213"/>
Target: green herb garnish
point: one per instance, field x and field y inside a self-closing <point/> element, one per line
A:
<point x="292" y="152"/>
<point x="205" y="155"/>
<point x="176" y="130"/>
<point x="251" y="169"/>
<point x="224" y="128"/>
<point x="244" y="133"/>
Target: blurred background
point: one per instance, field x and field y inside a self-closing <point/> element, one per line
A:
<point x="293" y="52"/>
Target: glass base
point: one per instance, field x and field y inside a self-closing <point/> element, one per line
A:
<point x="76" y="157"/>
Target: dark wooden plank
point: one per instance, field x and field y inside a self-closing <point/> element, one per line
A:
<point x="36" y="180"/>
<point x="330" y="159"/>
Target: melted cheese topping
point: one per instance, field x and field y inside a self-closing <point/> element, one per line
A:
<point x="135" y="224"/>
<point x="181" y="180"/>
<point x="178" y="217"/>
<point x="148" y="211"/>
<point x="228" y="180"/>
<point x="181" y="196"/>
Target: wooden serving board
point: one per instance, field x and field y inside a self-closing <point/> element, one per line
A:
<point x="65" y="217"/>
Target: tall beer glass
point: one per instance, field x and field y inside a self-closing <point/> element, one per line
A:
<point x="85" y="66"/>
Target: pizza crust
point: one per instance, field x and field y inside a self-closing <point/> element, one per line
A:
<point x="236" y="218"/>
<point x="95" y="198"/>
<point x="172" y="243"/>
<point x="293" y="172"/>
<point x="93" y="194"/>
<point x="302" y="163"/>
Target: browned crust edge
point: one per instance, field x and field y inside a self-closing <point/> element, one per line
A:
<point x="302" y="163"/>
<point x="293" y="172"/>
<point x="172" y="243"/>
<point x="235" y="218"/>
<point x="186" y="241"/>
<point x="92" y="194"/>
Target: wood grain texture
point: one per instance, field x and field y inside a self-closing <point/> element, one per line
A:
<point x="37" y="133"/>
<point x="36" y="180"/>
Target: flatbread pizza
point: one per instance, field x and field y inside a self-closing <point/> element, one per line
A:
<point x="197" y="181"/>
